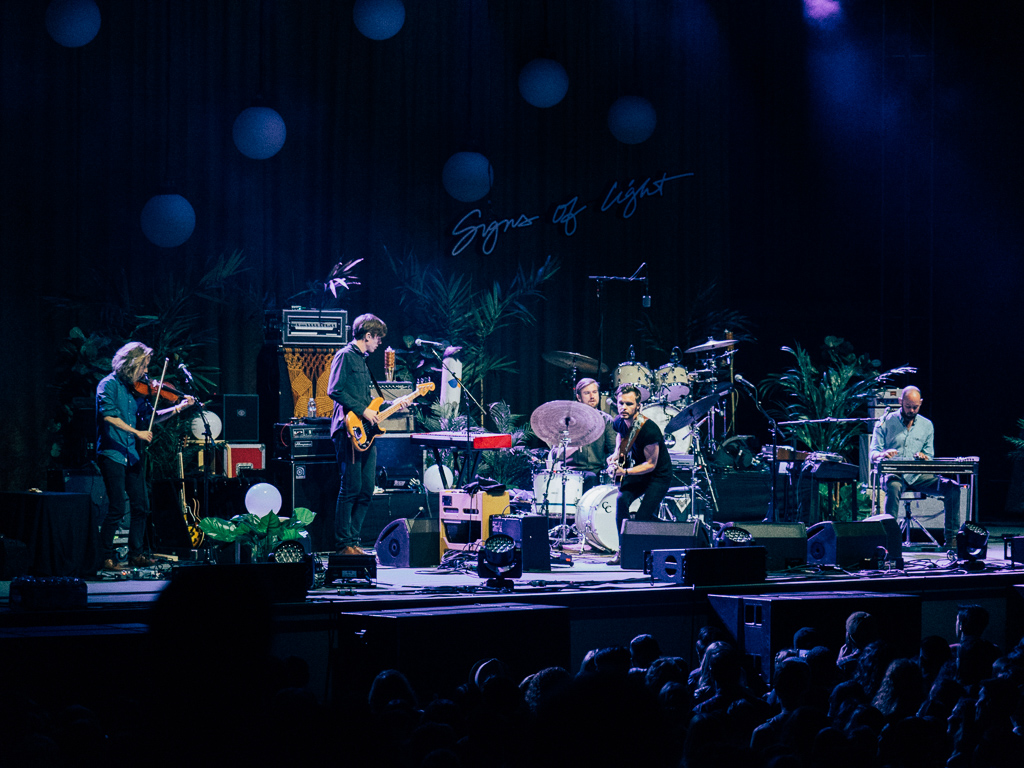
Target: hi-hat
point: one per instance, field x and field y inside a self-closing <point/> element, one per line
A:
<point x="711" y="344"/>
<point x="580" y="423"/>
<point x="575" y="360"/>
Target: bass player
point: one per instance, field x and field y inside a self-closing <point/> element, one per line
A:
<point x="640" y="463"/>
<point x="349" y="388"/>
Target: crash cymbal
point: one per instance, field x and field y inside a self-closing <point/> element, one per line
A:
<point x="574" y="360"/>
<point x="711" y="344"/>
<point x="559" y="418"/>
<point x="695" y="412"/>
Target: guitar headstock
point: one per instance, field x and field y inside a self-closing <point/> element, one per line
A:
<point x="424" y="386"/>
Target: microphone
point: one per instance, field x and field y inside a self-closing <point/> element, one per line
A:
<point x="428" y="343"/>
<point x="741" y="380"/>
<point x="184" y="370"/>
<point x="647" y="296"/>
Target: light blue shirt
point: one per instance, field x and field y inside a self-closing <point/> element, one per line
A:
<point x="891" y="433"/>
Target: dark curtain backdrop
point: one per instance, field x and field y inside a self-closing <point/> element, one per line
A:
<point x="862" y="180"/>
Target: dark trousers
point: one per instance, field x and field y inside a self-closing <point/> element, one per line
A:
<point x="653" y="492"/>
<point x="948" y="489"/>
<point x="357" y="471"/>
<point x="122" y="483"/>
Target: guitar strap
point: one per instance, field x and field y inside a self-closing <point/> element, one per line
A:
<point x="374" y="380"/>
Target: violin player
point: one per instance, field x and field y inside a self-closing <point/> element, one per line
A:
<point x="120" y="405"/>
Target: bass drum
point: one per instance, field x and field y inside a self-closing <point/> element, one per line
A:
<point x="595" y="517"/>
<point x="673" y="382"/>
<point x="679" y="441"/>
<point x="638" y="375"/>
<point x="547" y="487"/>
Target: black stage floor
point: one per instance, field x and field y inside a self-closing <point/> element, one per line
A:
<point x="414" y="618"/>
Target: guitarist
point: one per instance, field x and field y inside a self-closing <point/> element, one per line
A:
<point x="349" y="388"/>
<point x="640" y="464"/>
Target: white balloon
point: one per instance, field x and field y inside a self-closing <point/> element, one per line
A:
<point x="432" y="478"/>
<point x="262" y="499"/>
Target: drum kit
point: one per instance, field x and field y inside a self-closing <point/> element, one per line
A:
<point x="679" y="400"/>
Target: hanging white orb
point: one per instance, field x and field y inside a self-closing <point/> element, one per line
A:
<point x="467" y="176"/>
<point x="379" y="19"/>
<point x="259" y="132"/>
<point x="632" y="119"/>
<point x="168" y="220"/>
<point x="72" y="23"/>
<point x="543" y="83"/>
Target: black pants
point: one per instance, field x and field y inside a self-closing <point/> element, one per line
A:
<point x="357" y="471"/>
<point x="123" y="482"/>
<point x="652" y="490"/>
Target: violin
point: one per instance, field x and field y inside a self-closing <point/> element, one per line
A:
<point x="146" y="388"/>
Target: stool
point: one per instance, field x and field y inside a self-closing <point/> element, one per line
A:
<point x="909" y="520"/>
<point x="676" y="507"/>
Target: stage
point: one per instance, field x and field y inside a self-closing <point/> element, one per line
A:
<point x="431" y="621"/>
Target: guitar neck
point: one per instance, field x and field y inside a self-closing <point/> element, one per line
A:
<point x="404" y="400"/>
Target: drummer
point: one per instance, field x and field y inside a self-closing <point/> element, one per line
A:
<point x="591" y="460"/>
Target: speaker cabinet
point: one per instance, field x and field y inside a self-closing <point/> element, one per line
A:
<point x="530" y="532"/>
<point x="409" y="543"/>
<point x="706" y="567"/>
<point x="785" y="543"/>
<point x="640" y="536"/>
<point x="765" y="624"/>
<point x="314" y="485"/>
<point x="241" y="414"/>
<point x="847" y="545"/>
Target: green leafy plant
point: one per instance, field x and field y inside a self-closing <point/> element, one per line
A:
<point x="509" y="467"/>
<point x="449" y="307"/>
<point x="837" y="389"/>
<point x="1017" y="442"/>
<point x="261" y="533"/>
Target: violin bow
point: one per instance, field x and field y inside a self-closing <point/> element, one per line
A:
<point x="156" y="399"/>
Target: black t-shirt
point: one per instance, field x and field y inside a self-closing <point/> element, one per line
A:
<point x="649" y="434"/>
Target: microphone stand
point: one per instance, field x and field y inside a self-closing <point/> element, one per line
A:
<point x="773" y="425"/>
<point x="464" y="391"/>
<point x="208" y="456"/>
<point x="600" y="312"/>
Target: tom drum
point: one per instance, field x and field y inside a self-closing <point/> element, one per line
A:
<point x="638" y="375"/>
<point x="547" y="487"/>
<point x="673" y="382"/>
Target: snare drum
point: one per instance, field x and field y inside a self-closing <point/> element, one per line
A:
<point x="637" y="374"/>
<point x="547" y="487"/>
<point x="673" y="382"/>
<point x="676" y="442"/>
<point x="595" y="516"/>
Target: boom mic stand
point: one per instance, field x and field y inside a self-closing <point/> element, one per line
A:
<point x="600" y="310"/>
<point x="773" y="426"/>
<point x="463" y="390"/>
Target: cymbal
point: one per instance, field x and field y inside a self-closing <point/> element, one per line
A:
<point x="581" y="423"/>
<point x="711" y="344"/>
<point x="695" y="412"/>
<point x="574" y="360"/>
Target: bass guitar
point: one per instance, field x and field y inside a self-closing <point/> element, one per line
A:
<point x="624" y="460"/>
<point x="362" y="434"/>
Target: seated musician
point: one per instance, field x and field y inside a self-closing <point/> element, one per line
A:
<point x="591" y="460"/>
<point x="906" y="434"/>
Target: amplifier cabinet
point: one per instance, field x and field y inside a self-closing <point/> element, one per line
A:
<point x="241" y="418"/>
<point x="400" y="421"/>
<point x="466" y="518"/>
<point x="313" y="485"/>
<point x="304" y="327"/>
<point x="238" y="457"/>
<point x="309" y="440"/>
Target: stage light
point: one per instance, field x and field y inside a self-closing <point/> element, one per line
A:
<point x="168" y="220"/>
<point x="72" y="23"/>
<point x="733" y="536"/>
<point x="972" y="546"/>
<point x="632" y="119"/>
<point x="379" y="19"/>
<point x="467" y="176"/>
<point x="543" y="83"/>
<point x="262" y="499"/>
<point x="259" y="132"/>
<point x="499" y="561"/>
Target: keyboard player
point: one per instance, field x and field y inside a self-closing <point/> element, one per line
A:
<point x="906" y="434"/>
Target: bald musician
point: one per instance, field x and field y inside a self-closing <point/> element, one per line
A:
<point x="906" y="434"/>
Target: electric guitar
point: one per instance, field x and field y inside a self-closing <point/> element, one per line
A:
<point x="362" y="434"/>
<point x="625" y="458"/>
<point x="189" y="511"/>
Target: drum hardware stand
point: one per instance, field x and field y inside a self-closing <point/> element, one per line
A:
<point x="700" y="467"/>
